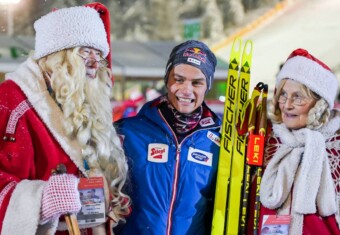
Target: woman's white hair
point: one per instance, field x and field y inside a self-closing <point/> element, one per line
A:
<point x="87" y="109"/>
<point x="317" y="115"/>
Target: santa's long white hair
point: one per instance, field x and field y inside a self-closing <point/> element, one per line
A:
<point x="87" y="110"/>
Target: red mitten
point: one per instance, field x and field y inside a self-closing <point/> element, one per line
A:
<point x="60" y="196"/>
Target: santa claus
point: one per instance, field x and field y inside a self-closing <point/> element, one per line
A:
<point x="55" y="109"/>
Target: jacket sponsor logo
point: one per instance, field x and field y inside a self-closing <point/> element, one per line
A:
<point x="158" y="153"/>
<point x="200" y="156"/>
<point x="214" y="138"/>
<point x="207" y="122"/>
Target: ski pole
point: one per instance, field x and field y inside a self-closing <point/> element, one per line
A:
<point x="262" y="132"/>
<point x="251" y="110"/>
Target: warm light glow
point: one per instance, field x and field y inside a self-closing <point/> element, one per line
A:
<point x="9" y="1"/>
<point x="221" y="98"/>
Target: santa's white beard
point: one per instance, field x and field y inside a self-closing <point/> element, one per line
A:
<point x="86" y="106"/>
<point x="91" y="73"/>
<point x="97" y="94"/>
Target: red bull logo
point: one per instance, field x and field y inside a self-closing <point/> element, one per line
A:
<point x="195" y="53"/>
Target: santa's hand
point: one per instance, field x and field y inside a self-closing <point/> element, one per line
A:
<point x="60" y="196"/>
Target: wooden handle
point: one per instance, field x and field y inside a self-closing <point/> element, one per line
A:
<point x="70" y="219"/>
<point x="72" y="224"/>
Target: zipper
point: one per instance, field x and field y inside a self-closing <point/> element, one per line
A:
<point x="174" y="191"/>
<point x="175" y="181"/>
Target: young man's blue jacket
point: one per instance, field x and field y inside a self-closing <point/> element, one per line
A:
<point x="172" y="185"/>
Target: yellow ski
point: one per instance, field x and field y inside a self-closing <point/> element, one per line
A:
<point x="232" y="152"/>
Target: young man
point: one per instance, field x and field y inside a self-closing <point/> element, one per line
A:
<point x="55" y="110"/>
<point x="172" y="147"/>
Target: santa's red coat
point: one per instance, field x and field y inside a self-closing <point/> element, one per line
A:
<point x="32" y="144"/>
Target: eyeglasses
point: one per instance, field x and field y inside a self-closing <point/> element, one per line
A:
<point x="91" y="61"/>
<point x="298" y="101"/>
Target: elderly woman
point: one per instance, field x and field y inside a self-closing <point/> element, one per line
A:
<point x="301" y="180"/>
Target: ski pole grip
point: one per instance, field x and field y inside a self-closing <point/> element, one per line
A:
<point x="263" y="119"/>
<point x="70" y="219"/>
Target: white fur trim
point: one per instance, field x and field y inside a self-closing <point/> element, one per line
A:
<point x="313" y="75"/>
<point x="29" y="78"/>
<point x="68" y="28"/>
<point x="313" y="184"/>
<point x="23" y="211"/>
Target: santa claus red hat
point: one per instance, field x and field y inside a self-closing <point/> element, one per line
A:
<point x="304" y="68"/>
<point x="87" y="25"/>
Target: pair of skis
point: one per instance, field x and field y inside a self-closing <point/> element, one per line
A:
<point x="228" y="215"/>
<point x="233" y="146"/>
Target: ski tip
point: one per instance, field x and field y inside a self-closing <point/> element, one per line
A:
<point x="248" y="48"/>
<point x="237" y="44"/>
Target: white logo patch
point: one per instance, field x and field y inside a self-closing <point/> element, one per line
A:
<point x="200" y="156"/>
<point x="194" y="61"/>
<point x="158" y="153"/>
<point x="214" y="138"/>
<point x="206" y="121"/>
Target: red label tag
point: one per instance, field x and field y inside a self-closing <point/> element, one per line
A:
<point x="276" y="224"/>
<point x="255" y="150"/>
<point x="89" y="183"/>
<point x="91" y="192"/>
